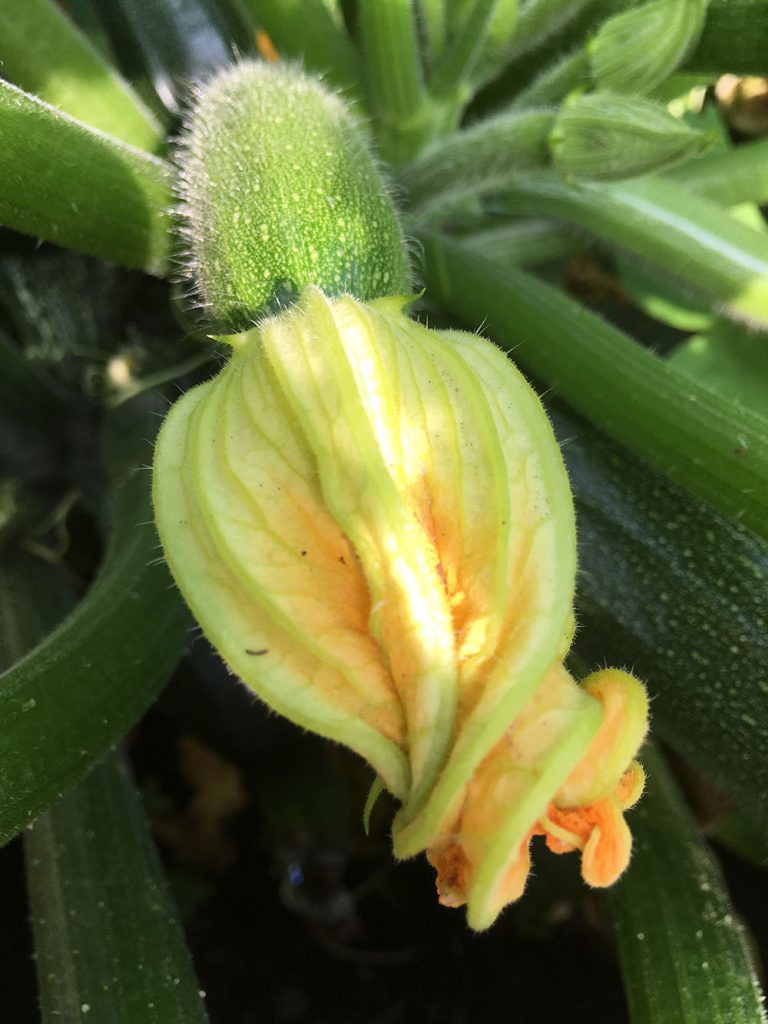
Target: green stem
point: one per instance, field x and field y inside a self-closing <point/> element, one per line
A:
<point x="661" y="222"/>
<point x="479" y="159"/>
<point x="554" y="84"/>
<point x="707" y="444"/>
<point x="524" y="243"/>
<point x="449" y="79"/>
<point x="155" y="380"/>
<point x="541" y="19"/>
<point x="728" y="177"/>
<point x="400" y="99"/>
<point x="433" y="19"/>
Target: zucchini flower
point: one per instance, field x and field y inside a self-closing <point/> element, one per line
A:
<point x="373" y="525"/>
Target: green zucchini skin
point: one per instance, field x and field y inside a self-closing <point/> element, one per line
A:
<point x="279" y="189"/>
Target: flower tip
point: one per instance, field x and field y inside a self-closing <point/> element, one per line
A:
<point x="624" y="726"/>
<point x="587" y="812"/>
<point x="607" y="851"/>
<point x="631" y="786"/>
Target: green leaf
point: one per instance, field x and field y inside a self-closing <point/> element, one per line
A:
<point x="733" y="39"/>
<point x="106" y="937"/>
<point x="108" y="945"/>
<point x="716" y="450"/>
<point x="682" y="951"/>
<point x="43" y="52"/>
<point x="307" y="29"/>
<point x="66" y="183"/>
<point x="678" y="592"/>
<point x="663" y="223"/>
<point x="110" y="658"/>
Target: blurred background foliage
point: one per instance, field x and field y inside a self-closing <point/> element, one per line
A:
<point x="590" y="190"/>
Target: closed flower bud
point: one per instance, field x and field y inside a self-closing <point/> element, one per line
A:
<point x="372" y="523"/>
<point x="606" y="137"/>
<point x="636" y="50"/>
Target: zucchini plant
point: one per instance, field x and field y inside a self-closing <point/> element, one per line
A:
<point x="265" y="229"/>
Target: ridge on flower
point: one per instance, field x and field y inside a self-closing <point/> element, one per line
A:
<point x="373" y="525"/>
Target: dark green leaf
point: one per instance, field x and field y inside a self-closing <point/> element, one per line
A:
<point x="106" y="937"/>
<point x="66" y="702"/>
<point x="85" y="16"/>
<point x="682" y="951"/>
<point x="60" y="308"/>
<point x="739" y="833"/>
<point x="34" y="597"/>
<point x="29" y="415"/>
<point x="108" y="945"/>
<point x="66" y="183"/>
<point x="678" y="593"/>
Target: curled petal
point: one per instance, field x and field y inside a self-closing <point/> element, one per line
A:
<point x="568" y="739"/>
